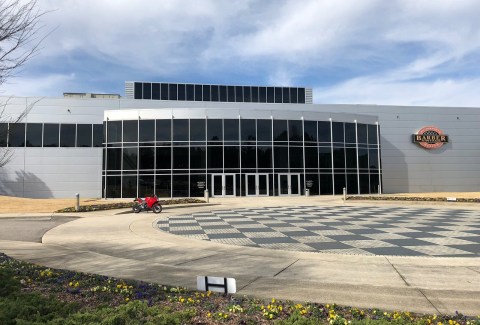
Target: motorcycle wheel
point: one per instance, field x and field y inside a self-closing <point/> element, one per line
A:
<point x="136" y="208"/>
<point x="157" y="208"/>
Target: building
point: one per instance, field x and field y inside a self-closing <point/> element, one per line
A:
<point x="178" y="140"/>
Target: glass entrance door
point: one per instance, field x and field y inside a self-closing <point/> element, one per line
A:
<point x="223" y="185"/>
<point x="289" y="184"/>
<point x="256" y="185"/>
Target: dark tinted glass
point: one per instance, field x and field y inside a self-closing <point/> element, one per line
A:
<point x="164" y="91"/>
<point x="281" y="157"/>
<point x="180" y="157"/>
<point x="137" y="89"/>
<point x="362" y="158"/>
<point x="310" y="131"/>
<point x="146" y="158"/>
<point x="181" y="92"/>
<point x="249" y="158"/>
<point x="293" y="95"/>
<point x="278" y="95"/>
<point x="295" y="130"/>
<point x="301" y="95"/>
<point x="248" y="130"/>
<point x="352" y="184"/>
<point x="214" y="130"/>
<point x="198" y="93"/>
<point x="230" y="93"/>
<point x="255" y="94"/>
<point x="280" y="130"/>
<point x="374" y="183"/>
<point x="339" y="181"/>
<point x="262" y="94"/>
<point x="180" y="185"/>
<point x="51" y="133"/>
<point x="84" y="135"/>
<point x="325" y="157"/>
<point x="230" y="130"/>
<point x="197" y="185"/>
<point x="197" y="130"/>
<point x="326" y="185"/>
<point x="114" y="186"/>
<point x="364" y="184"/>
<point x="264" y="156"/>
<point x="311" y="157"/>
<point x="214" y="93"/>
<point x="351" y="157"/>
<point x="129" y="158"/>
<point x="146" y="130"/>
<point x="238" y="94"/>
<point x="163" y="160"/>
<point x="247" y="96"/>
<point x="338" y="158"/>
<point x="98" y="137"/>
<point x="17" y="135"/>
<point x="114" y="159"/>
<point x="264" y="130"/>
<point x="172" y="91"/>
<point x="215" y="157"/>
<point x="337" y="132"/>
<point x="232" y="156"/>
<point x="163" y="130"/>
<point x="198" y="157"/>
<point x="270" y="95"/>
<point x="156" y="91"/>
<point x="372" y="134"/>
<point x="324" y="134"/>
<point x="146" y="185"/>
<point x="362" y="133"/>
<point x="147" y="90"/>
<point x="114" y="131"/>
<point x="67" y="135"/>
<point x="129" y="186"/>
<point x="206" y="93"/>
<point x="286" y="95"/>
<point x="3" y="134"/>
<point x="350" y="133"/>
<point x="130" y="131"/>
<point x="163" y="186"/>
<point x="296" y="157"/>
<point x="190" y="93"/>
<point x="180" y="130"/>
<point x="34" y="135"/>
<point x="223" y="93"/>
<point x="373" y="159"/>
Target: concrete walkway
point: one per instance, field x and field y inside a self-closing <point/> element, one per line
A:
<point x="126" y="245"/>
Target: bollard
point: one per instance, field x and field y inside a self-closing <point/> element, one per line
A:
<point x="77" y="203"/>
<point x="344" y="194"/>
<point x="307" y="192"/>
<point x="205" y="195"/>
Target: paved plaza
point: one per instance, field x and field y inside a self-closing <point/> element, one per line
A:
<point x="400" y="231"/>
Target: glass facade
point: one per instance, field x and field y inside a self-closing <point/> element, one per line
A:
<point x="240" y="157"/>
<point x="218" y="93"/>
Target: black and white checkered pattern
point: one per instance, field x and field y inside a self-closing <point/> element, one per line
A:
<point x="404" y="231"/>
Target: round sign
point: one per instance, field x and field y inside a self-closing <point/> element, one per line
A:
<point x="431" y="137"/>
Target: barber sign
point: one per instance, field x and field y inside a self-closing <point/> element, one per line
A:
<point x="430" y="137"/>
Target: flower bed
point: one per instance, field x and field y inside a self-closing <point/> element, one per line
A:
<point x="410" y="198"/>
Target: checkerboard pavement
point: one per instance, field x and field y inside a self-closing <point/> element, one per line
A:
<point x="400" y="231"/>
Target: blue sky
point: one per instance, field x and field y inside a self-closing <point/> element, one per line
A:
<point x="398" y="52"/>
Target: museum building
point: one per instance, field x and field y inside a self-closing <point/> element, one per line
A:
<point x="181" y="140"/>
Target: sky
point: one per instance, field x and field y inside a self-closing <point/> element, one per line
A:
<point x="393" y="52"/>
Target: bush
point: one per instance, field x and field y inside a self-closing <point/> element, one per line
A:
<point x="8" y="284"/>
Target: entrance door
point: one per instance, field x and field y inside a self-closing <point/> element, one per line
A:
<point x="289" y="184"/>
<point x="223" y="185"/>
<point x="256" y="185"/>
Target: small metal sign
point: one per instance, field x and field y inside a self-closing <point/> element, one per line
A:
<point x="216" y="284"/>
<point x="309" y="183"/>
<point x="201" y="185"/>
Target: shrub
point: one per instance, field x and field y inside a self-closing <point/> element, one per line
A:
<point x="8" y="285"/>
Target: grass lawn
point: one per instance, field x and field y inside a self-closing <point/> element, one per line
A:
<point x="31" y="294"/>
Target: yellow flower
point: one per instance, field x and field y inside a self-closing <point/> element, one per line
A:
<point x="270" y="316"/>
<point x="127" y="299"/>
<point x="273" y="300"/>
<point x="209" y="315"/>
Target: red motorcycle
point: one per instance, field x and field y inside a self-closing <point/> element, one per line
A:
<point x="150" y="203"/>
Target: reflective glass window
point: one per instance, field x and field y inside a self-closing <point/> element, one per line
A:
<point x="163" y="130"/>
<point x="180" y="130"/>
<point x="249" y="158"/>
<point x="301" y="95"/>
<point x="264" y="130"/>
<point x="190" y="93"/>
<point x="295" y="130"/>
<point x="163" y="185"/>
<point x="254" y="95"/>
<point x="339" y="158"/>
<point x="364" y="184"/>
<point x="270" y="95"/>
<point x="113" y="185"/>
<point x="214" y="93"/>
<point x="114" y="131"/>
<point x="232" y="156"/>
<point x="16" y="135"/>
<point x="352" y="184"/>
<point x="156" y="91"/>
<point x="67" y="135"/>
<point x="362" y="158"/>
<point x="130" y="131"/>
<point x="137" y="89"/>
<point x="146" y="157"/>
<point x="114" y="159"/>
<point x="247" y="96"/>
<point x="181" y="92"/>
<point x="278" y="95"/>
<point x="280" y="130"/>
<point x="198" y="93"/>
<point x="264" y="154"/>
<point x="262" y="94"/>
<point x="146" y="130"/>
<point x="238" y="94"/>
<point x="293" y="95"/>
<point x="324" y="134"/>
<point x="215" y="157"/>
<point x="230" y="129"/>
<point x="130" y="158"/>
<point x="310" y="131"/>
<point x="197" y="185"/>
<point x="325" y="157"/>
<point x="98" y="135"/>
<point x="3" y="134"/>
<point x="172" y="92"/>
<point x="34" y="135"/>
<point x="223" y="93"/>
<point x="350" y="133"/>
<point x="198" y="155"/>
<point x="147" y="90"/>
<point x="280" y="156"/>
<point x="214" y="130"/>
<point x="337" y="132"/>
<point x="51" y="135"/>
<point x="373" y="159"/>
<point x="197" y="130"/>
<point x="146" y="185"/>
<point x="84" y="135"/>
<point x="230" y="93"/>
<point x="374" y="183"/>
<point x="326" y="185"/>
<point x="248" y="130"/>
<point x="351" y="157"/>
<point x="339" y="181"/>
<point x="163" y="159"/>
<point x="372" y="134"/>
<point x="286" y="95"/>
<point x="206" y="93"/>
<point x="311" y="157"/>
<point x="129" y="186"/>
<point x="362" y="133"/>
<point x="296" y="157"/>
<point x="164" y="91"/>
<point x="180" y="157"/>
<point x="180" y="186"/>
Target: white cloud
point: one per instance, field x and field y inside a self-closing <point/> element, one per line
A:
<point x="47" y="85"/>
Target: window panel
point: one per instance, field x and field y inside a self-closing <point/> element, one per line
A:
<point x="215" y="96"/>
<point x="146" y="130"/>
<point x="214" y="130"/>
<point x="364" y="184"/>
<point x="232" y="156"/>
<point x="138" y="90"/>
<point x="326" y="185"/>
<point x="215" y="157"/>
<point x="156" y="91"/>
<point x="249" y="157"/>
<point x="301" y="95"/>
<point x="230" y="129"/>
<point x="296" y="157"/>
<point x="339" y="181"/>
<point x="190" y="93"/>
<point x="223" y="93"/>
<point x="351" y="157"/>
<point x="311" y="157"/>
<point x="164" y="91"/>
<point x="280" y="156"/>
<point x="362" y="158"/>
<point x="67" y="135"/>
<point x="147" y="90"/>
<point x="373" y="159"/>
<point x="146" y="185"/>
<point x="264" y="130"/>
<point x="374" y="183"/>
<point x="362" y="133"/>
<point x="278" y="95"/>
<point x="247" y="96"/>
<point x="352" y="184"/>
<point x="295" y="130"/>
<point x="270" y="95"/>
<point x="114" y="131"/>
<point x="84" y="135"/>
<point x="206" y="93"/>
<point x="286" y="95"/>
<point x="180" y="130"/>
<point x="262" y="94"/>
<point x="350" y="133"/>
<point x="172" y="92"/>
<point x="254" y="95"/>
<point x="325" y="157"/>
<point x="180" y="157"/>
<point x="34" y="135"/>
<point x="163" y="186"/>
<point x="372" y="134"/>
<point x="280" y="130"/>
<point x="130" y="131"/>
<point x="163" y="130"/>
<point x="239" y="94"/>
<point x="198" y="156"/>
<point x="51" y="135"/>
<point x="293" y="95"/>
<point x="310" y="131"/>
<point x="264" y="156"/>
<point x="114" y="159"/>
<point x="230" y="93"/>
<point x="114" y="188"/>
<point x="98" y="135"/>
<point x="324" y="134"/>
<point x="129" y="186"/>
<point x="339" y="158"/>
<point x="197" y="130"/>
<point x="163" y="159"/>
<point x="180" y="186"/>
<point x="197" y="185"/>
<point x="311" y="183"/>
<point x="130" y="158"/>
<point x="181" y="92"/>
<point x="248" y="129"/>
<point x="198" y="93"/>
<point x="146" y="158"/>
<point x="338" y="132"/>
<point x="3" y="134"/>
